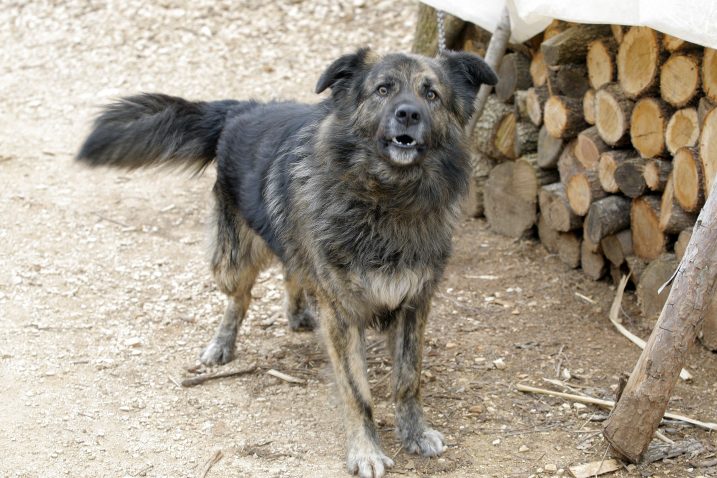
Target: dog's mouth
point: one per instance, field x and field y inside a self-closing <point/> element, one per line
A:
<point x="402" y="149"/>
<point x="404" y="141"/>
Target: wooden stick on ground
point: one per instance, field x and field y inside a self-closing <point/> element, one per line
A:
<point x="200" y="379"/>
<point x="648" y="391"/>
<point x="211" y="462"/>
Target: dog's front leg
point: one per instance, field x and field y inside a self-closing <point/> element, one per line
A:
<point x="406" y="338"/>
<point x="346" y="346"/>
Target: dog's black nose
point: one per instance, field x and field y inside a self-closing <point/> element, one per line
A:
<point x="408" y="114"/>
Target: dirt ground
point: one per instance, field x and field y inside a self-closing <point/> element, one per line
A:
<point x="106" y="298"/>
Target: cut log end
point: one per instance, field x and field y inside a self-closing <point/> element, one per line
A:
<point x="683" y="129"/>
<point x="680" y="79"/>
<point x="612" y="115"/>
<point x="647" y="127"/>
<point x="638" y="61"/>
<point x="687" y="179"/>
<point x="648" y="240"/>
<point x="708" y="150"/>
<point x="563" y="117"/>
<point x="601" y="62"/>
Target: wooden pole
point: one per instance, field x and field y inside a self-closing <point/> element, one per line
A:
<point x="631" y="425"/>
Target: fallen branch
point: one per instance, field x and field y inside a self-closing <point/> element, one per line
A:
<point x="614" y="318"/>
<point x="608" y="404"/>
<point x="199" y="379"/>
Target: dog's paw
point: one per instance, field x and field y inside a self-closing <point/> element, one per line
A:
<point x="368" y="463"/>
<point x="302" y="321"/>
<point x="218" y="352"/>
<point x="428" y="443"/>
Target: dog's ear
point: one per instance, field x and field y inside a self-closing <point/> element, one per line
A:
<point x="342" y="70"/>
<point x="466" y="72"/>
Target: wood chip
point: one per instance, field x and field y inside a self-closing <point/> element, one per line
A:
<point x="595" y="468"/>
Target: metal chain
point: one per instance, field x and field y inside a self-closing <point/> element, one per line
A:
<point x="441" y="17"/>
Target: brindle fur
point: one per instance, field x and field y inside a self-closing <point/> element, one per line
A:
<point x="362" y="227"/>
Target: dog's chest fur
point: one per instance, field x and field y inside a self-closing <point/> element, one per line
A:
<point x="390" y="289"/>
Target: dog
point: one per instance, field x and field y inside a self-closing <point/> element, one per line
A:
<point x="356" y="195"/>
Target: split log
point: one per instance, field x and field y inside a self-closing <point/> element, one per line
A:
<point x="563" y="116"/>
<point x="568" y="80"/>
<point x="681" y="244"/>
<point x="569" y="249"/>
<point x="589" y="147"/>
<point x="618" y="246"/>
<point x="513" y="75"/>
<point x="708" y="149"/>
<point x="534" y="102"/>
<point x="673" y="218"/>
<point x="680" y="79"/>
<point x="549" y="149"/>
<point x="555" y="209"/>
<point x="688" y="178"/>
<point x="511" y="195"/>
<point x="589" y="106"/>
<point x="607" y="216"/>
<point x="526" y="139"/>
<point x="504" y="140"/>
<point x="709" y="73"/>
<point x="485" y="129"/>
<point x="612" y="115"/>
<point x="568" y="164"/>
<point x="547" y="235"/>
<point x="609" y="162"/>
<point x="653" y="277"/>
<point x="656" y="173"/>
<point x="651" y="383"/>
<point x="638" y="62"/>
<point x="704" y="106"/>
<point x="629" y="177"/>
<point x="538" y="70"/>
<point x="425" y="38"/>
<point x="683" y="129"/>
<point x="618" y="32"/>
<point x="601" y="61"/>
<point x="648" y="123"/>
<point x="648" y="240"/>
<point x="582" y="190"/>
<point x="570" y="46"/>
<point x="636" y="266"/>
<point x="592" y="260"/>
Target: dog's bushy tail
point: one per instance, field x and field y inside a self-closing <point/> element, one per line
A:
<point x="156" y="129"/>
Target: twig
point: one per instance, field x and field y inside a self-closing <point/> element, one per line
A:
<point x="614" y="318"/>
<point x="585" y="298"/>
<point x="659" y="435"/>
<point x="173" y="380"/>
<point x="212" y="461"/>
<point x="285" y="377"/>
<point x="104" y="218"/>
<point x="610" y="404"/>
<point x="199" y="379"/>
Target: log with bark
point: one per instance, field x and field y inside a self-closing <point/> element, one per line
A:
<point x="648" y="240"/>
<point x="681" y="243"/>
<point x="569" y="249"/>
<point x="534" y="103"/>
<point x="570" y="46"/>
<point x="549" y="149"/>
<point x="608" y="164"/>
<point x="601" y="61"/>
<point x="612" y="115"/>
<point x="704" y="106"/>
<point x="583" y="189"/>
<point x="708" y="149"/>
<point x="618" y="32"/>
<point x="589" y="106"/>
<point x="638" y="62"/>
<point x="636" y="266"/>
<point x="592" y="260"/>
<point x="629" y="177"/>
<point x="568" y="164"/>
<point x="568" y="80"/>
<point x="547" y="235"/>
<point x="589" y="147"/>
<point x="555" y="209"/>
<point x="618" y="246"/>
<point x="513" y="74"/>
<point x="538" y="70"/>
<point x="504" y="139"/>
<point x="485" y="129"/>
<point x="526" y="139"/>
<point x="673" y="218"/>
<point x="651" y="383"/>
<point x="653" y="277"/>
<point x="688" y="178"/>
<point x="656" y="173"/>
<point x="607" y="216"/>
<point x="709" y="73"/>
<point x="647" y="126"/>
<point x="683" y="129"/>
<point x="563" y="116"/>
<point x="680" y="79"/>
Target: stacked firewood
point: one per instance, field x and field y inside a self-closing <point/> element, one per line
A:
<point x="605" y="140"/>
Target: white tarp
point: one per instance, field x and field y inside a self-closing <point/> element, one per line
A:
<point x="692" y="20"/>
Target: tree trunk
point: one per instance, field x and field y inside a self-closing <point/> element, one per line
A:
<point x="582" y="190"/>
<point x="589" y="106"/>
<point x="680" y="79"/>
<point x="629" y="177"/>
<point x="601" y="61"/>
<point x="612" y="115"/>
<point x="683" y="129"/>
<point x="513" y="75"/>
<point x="656" y="174"/>
<point x="534" y="102"/>
<point x="688" y="178"/>
<point x="569" y="249"/>
<point x="549" y="149"/>
<point x="589" y="147"/>
<point x="607" y="216"/>
<point x="648" y="240"/>
<point x="638" y="62"/>
<point x="571" y="45"/>
<point x="609" y="162"/>
<point x="708" y="149"/>
<point x="647" y="126"/>
<point x="673" y="218"/>
<point x="425" y="38"/>
<point x="555" y="208"/>
<point x="563" y="116"/>
<point x="618" y="246"/>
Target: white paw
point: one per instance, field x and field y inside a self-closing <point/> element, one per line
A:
<point x="369" y="463"/>
<point x="217" y="353"/>
<point x="429" y="443"/>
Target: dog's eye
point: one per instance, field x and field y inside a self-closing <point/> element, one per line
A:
<point x="382" y="90"/>
<point x="431" y="95"/>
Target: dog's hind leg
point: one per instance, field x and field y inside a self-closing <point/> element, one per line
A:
<point x="300" y="305"/>
<point x="237" y="258"/>
<point x="406" y="343"/>
<point x="345" y="343"/>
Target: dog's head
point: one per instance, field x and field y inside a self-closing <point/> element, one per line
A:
<point x="407" y="105"/>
